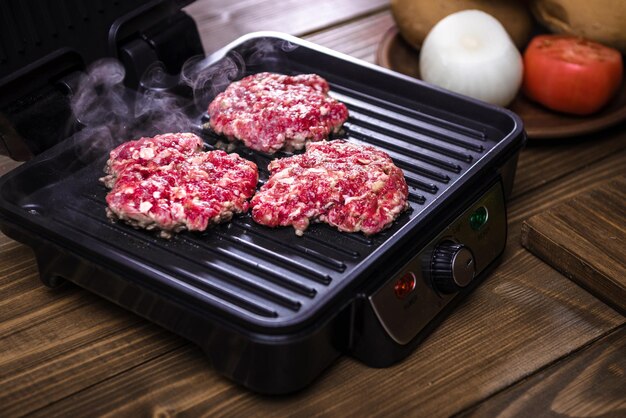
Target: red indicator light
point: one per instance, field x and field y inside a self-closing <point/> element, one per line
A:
<point x="404" y="285"/>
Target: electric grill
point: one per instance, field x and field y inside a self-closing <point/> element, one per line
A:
<point x="270" y="309"/>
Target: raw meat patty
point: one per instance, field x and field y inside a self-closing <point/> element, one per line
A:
<point x="160" y="150"/>
<point x="166" y="182"/>
<point x="270" y="111"/>
<point x="351" y="187"/>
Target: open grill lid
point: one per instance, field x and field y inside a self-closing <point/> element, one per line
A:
<point x="44" y="43"/>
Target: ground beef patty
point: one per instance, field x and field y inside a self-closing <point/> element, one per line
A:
<point x="168" y="183"/>
<point x="351" y="187"/>
<point x="161" y="150"/>
<point x="270" y="111"/>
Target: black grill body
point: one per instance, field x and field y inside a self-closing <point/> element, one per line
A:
<point x="270" y="309"/>
<point x="45" y="43"/>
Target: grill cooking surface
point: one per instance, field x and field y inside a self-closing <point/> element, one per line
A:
<point x="270" y="277"/>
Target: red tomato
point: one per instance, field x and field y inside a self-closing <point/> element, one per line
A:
<point x="571" y="74"/>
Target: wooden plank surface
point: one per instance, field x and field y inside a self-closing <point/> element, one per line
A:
<point x="55" y="342"/>
<point x="584" y="238"/>
<point x="536" y="167"/>
<point x="589" y="383"/>
<point x="222" y="21"/>
<point x="67" y="353"/>
<point x="359" y="38"/>
<point x="529" y="204"/>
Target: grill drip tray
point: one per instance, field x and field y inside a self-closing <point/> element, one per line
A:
<point x="271" y="309"/>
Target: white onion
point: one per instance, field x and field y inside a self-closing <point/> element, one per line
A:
<point x="470" y="52"/>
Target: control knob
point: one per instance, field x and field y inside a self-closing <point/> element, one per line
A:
<point x="452" y="267"/>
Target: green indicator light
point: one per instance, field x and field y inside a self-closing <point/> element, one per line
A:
<point x="478" y="218"/>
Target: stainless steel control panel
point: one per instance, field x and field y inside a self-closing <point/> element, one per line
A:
<point x="447" y="264"/>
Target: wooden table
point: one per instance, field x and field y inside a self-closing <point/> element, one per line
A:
<point x="527" y="342"/>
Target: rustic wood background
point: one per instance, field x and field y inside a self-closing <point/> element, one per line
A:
<point x="528" y="342"/>
<point x="585" y="238"/>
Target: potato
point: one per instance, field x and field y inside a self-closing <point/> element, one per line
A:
<point x="603" y="21"/>
<point x="415" y="18"/>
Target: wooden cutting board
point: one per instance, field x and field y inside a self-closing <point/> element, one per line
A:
<point x="585" y="239"/>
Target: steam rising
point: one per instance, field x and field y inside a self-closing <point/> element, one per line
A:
<point x="209" y="76"/>
<point x="100" y="95"/>
<point x="207" y="81"/>
<point x="109" y="113"/>
<point x="164" y="111"/>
